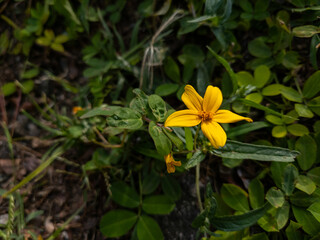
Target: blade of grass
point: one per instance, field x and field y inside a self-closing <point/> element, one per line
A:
<point x="60" y="229"/>
<point x="9" y="139"/>
<point x="56" y="153"/>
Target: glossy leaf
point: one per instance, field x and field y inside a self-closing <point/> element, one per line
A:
<point x="279" y="131"/>
<point x="272" y="89"/>
<point x="309" y="224"/>
<point x="303" y="111"/>
<point x="298" y="129"/>
<point x="315" y="210"/>
<point x="291" y="94"/>
<point x="312" y="86"/>
<point x="256" y="194"/>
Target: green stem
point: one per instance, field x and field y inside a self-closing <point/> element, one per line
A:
<point x="198" y="187"/>
<point x="196" y="137"/>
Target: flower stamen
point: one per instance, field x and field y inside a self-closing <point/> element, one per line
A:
<point x="205" y="116"/>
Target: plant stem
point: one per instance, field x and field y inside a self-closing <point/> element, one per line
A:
<point x="198" y="187"/>
<point x="196" y="137"/>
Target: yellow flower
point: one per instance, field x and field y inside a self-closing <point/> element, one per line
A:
<point x="171" y="163"/>
<point x="76" y="109"/>
<point x="204" y="111"/>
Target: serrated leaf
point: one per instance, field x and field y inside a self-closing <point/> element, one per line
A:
<point x="116" y="223"/>
<point x="239" y="150"/>
<point x="159" y="204"/>
<point x="124" y="195"/>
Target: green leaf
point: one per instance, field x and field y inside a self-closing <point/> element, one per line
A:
<point x="258" y="236"/>
<point x="8" y="88"/>
<point x="125" y="118"/>
<point x="289" y="179"/>
<point x="314" y="105"/>
<point x="259" y="106"/>
<point x="27" y="86"/>
<point x="57" y="47"/>
<point x="171" y="187"/>
<point x="311" y="87"/>
<point x="302" y="199"/>
<point x="298" y="129"/>
<point x="282" y="215"/>
<point x="275" y="197"/>
<point x="272" y="89"/>
<point x="279" y="131"/>
<point x="256" y="193"/>
<point x="100" y="111"/>
<point x="239" y="150"/>
<point x="268" y="221"/>
<point x="291" y="94"/>
<point x="61" y="38"/>
<point x="244" y="78"/>
<point x="116" y="223"/>
<point x="315" y="210"/>
<point x="235" y="197"/>
<point x="30" y="73"/>
<point x="166" y="89"/>
<point x="309" y="224"/>
<point x="303" y="110"/>
<point x="261" y="76"/>
<point x="171" y="68"/>
<point x="305" y="31"/>
<point x="148" y="229"/>
<point x="246" y="128"/>
<point x="314" y="174"/>
<point x="307" y="146"/>
<point x="305" y="184"/>
<point x="158" y="107"/>
<point x="159" y="204"/>
<point x="196" y="158"/>
<point x="258" y="48"/>
<point x="124" y="195"/>
<point x="227" y="67"/>
<point x="176" y="140"/>
<point x="254" y="97"/>
<point x="161" y="141"/>
<point x="275" y="120"/>
<point x="292" y="231"/>
<point x="43" y="41"/>
<point x="150" y="182"/>
<point x="238" y="222"/>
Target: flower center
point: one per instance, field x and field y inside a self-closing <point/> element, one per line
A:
<point x="205" y="116"/>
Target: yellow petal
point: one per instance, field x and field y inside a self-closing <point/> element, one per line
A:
<point x="212" y="99"/>
<point x="191" y="98"/>
<point x="183" y="118"/>
<point x="215" y="133"/>
<point x="226" y="116"/>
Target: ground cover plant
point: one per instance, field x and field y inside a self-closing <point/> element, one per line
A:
<point x="160" y="119"/>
